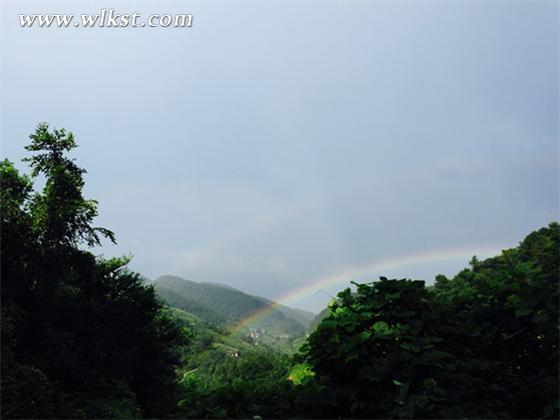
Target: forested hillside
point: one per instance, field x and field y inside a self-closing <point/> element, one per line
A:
<point x="191" y="305"/>
<point x="305" y="318"/>
<point x="225" y="375"/>
<point x="224" y="305"/>
<point x="84" y="337"/>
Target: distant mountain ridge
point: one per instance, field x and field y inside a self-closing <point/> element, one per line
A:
<point x="224" y="305"/>
<point x="225" y="286"/>
<point x="305" y="318"/>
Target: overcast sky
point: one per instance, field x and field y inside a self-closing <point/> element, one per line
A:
<point x="275" y="142"/>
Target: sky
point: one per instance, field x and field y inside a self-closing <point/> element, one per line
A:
<point x="276" y="144"/>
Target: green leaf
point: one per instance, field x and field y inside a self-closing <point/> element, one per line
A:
<point x="404" y="392"/>
<point x="523" y="312"/>
<point x="301" y="373"/>
<point x="381" y="327"/>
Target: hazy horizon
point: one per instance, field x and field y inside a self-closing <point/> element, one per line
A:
<point x="272" y="146"/>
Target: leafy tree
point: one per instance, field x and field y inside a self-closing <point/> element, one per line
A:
<point x="510" y="310"/>
<point x="61" y="215"/>
<point x="81" y="336"/>
<point x="483" y="344"/>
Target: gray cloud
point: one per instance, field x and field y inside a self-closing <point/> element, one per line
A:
<point x="272" y="144"/>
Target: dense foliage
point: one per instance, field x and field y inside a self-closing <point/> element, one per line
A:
<point x="238" y="385"/>
<point x="81" y="336"/>
<point x="483" y="344"/>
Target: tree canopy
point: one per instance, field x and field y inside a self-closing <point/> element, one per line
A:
<point x="482" y="344"/>
<point x="81" y="336"/>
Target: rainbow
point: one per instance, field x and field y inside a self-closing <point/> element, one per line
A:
<point x="375" y="267"/>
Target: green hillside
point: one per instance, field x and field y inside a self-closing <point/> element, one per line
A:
<point x="224" y="375"/>
<point x="184" y="302"/>
<point x="305" y="318"/>
<point x="225" y="286"/>
<point x="226" y="306"/>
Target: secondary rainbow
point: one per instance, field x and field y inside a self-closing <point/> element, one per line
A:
<point x="374" y="268"/>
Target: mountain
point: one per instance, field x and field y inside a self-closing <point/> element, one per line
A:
<point x="225" y="306"/>
<point x="225" y="286"/>
<point x="305" y="318"/>
<point x="181" y="301"/>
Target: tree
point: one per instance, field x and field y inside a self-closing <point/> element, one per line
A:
<point x="62" y="216"/>
<point x="81" y="336"/>
<point x="483" y="344"/>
